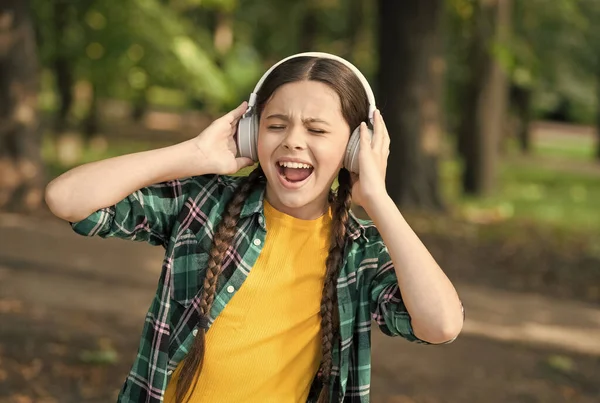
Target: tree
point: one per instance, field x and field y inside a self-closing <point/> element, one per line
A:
<point x="591" y="9"/>
<point x="63" y="68"/>
<point x="355" y="23"/>
<point x="309" y="27"/>
<point x="521" y="105"/>
<point x="485" y="102"/>
<point x="21" y="170"/>
<point x="410" y="81"/>
<point x="598" y="117"/>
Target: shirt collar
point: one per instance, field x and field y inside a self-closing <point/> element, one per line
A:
<point x="254" y="202"/>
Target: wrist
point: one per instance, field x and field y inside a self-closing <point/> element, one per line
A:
<point x="192" y="160"/>
<point x="377" y="202"/>
<point x="176" y="161"/>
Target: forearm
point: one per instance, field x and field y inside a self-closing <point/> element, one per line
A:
<point x="428" y="294"/>
<point x="81" y="191"/>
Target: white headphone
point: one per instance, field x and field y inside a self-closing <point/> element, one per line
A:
<point x="247" y="133"/>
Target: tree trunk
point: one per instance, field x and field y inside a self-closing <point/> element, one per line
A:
<point x="354" y="27"/>
<point x="309" y="28"/>
<point x="91" y="124"/>
<point x="521" y="98"/>
<point x="484" y="108"/>
<point x="21" y="169"/>
<point x="598" y="113"/>
<point x="62" y="66"/>
<point x="410" y="82"/>
<point x="140" y="104"/>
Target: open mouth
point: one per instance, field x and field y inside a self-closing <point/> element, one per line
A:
<point x="294" y="172"/>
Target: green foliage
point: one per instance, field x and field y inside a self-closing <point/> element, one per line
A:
<point x="564" y="199"/>
<point x="553" y="54"/>
<point x="127" y="48"/>
<point x="165" y="50"/>
<point x="557" y="187"/>
<point x="552" y="51"/>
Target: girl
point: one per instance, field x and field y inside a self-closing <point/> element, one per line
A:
<point x="269" y="282"/>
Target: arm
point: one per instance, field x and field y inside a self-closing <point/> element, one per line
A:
<point x="436" y="313"/>
<point x="83" y="190"/>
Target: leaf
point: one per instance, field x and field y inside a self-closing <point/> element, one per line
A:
<point x="101" y="357"/>
<point x="561" y="363"/>
<point x="207" y="80"/>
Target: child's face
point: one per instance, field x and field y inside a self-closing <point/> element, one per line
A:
<point x="302" y="126"/>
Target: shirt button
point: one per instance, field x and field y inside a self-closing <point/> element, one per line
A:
<point x="260" y="220"/>
<point x="195" y="332"/>
<point x="230" y="289"/>
<point x="169" y="372"/>
<point x="257" y="242"/>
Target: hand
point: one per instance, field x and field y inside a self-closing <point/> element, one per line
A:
<point x="369" y="184"/>
<point x="217" y="146"/>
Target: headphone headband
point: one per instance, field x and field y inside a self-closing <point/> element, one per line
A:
<point x="361" y="77"/>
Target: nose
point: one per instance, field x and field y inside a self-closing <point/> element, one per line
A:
<point x="294" y="139"/>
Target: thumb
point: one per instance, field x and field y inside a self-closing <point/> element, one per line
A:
<point x="236" y="113"/>
<point x="244" y="162"/>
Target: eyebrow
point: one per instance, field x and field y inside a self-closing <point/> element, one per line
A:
<point x="306" y="120"/>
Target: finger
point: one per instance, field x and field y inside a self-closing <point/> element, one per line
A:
<point x="238" y="117"/>
<point x="244" y="162"/>
<point x="365" y="138"/>
<point x="235" y="123"/>
<point x="237" y="113"/>
<point x="378" y="134"/>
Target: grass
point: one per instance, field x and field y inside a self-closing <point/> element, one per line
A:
<point x="556" y="190"/>
<point x="533" y="193"/>
<point x="576" y="148"/>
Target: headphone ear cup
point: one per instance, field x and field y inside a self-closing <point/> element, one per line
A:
<point x="247" y="137"/>
<point x="351" y="156"/>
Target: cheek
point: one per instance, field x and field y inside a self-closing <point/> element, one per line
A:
<point x="266" y="146"/>
<point x="330" y="154"/>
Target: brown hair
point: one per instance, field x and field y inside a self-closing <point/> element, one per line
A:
<point x="354" y="105"/>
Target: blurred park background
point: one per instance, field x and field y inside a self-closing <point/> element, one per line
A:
<point x="493" y="108"/>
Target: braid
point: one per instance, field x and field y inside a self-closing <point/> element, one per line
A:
<point x="329" y="311"/>
<point x="222" y="240"/>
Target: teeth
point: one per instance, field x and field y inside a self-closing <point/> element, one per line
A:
<point x="294" y="165"/>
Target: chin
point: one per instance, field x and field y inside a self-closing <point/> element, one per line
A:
<point x="302" y="203"/>
<point x="294" y="201"/>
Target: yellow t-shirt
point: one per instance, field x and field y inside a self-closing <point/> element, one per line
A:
<point x="265" y="346"/>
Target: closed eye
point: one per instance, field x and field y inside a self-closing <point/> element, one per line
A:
<point x="280" y="127"/>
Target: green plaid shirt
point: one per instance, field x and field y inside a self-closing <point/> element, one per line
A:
<point x="181" y="216"/>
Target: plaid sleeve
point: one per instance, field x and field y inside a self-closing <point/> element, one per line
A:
<point x="387" y="306"/>
<point x="146" y="215"/>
